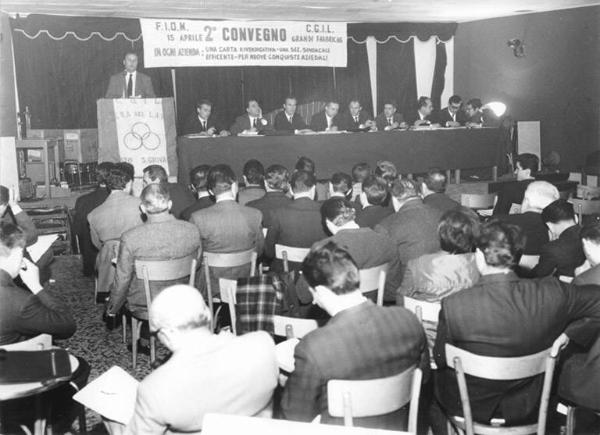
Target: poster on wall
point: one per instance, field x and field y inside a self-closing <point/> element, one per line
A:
<point x="180" y="43"/>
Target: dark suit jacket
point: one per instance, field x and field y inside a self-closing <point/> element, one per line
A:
<point x="346" y="121"/>
<point x="441" y="202"/>
<point x="193" y="125"/>
<point x="561" y="256"/>
<point x="281" y="122"/>
<point x="580" y="373"/>
<point x="505" y="316"/>
<point x="319" y="121"/>
<point x="242" y="123"/>
<point x="477" y="118"/>
<point x="181" y="197"/>
<point x="204" y="202"/>
<point x="370" y="216"/>
<point x="382" y="123"/>
<point x="444" y="116"/>
<point x="269" y="203"/>
<point x="298" y="224"/>
<point x="24" y="315"/>
<point x="83" y="206"/>
<point x="533" y="227"/>
<point x="117" y="86"/>
<point x="413" y="117"/>
<point x="118" y="213"/>
<point x="512" y="192"/>
<point x="361" y="342"/>
<point x="413" y="229"/>
<point x="162" y="237"/>
<point x="250" y="193"/>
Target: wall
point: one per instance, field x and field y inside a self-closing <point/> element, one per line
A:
<point x="557" y="82"/>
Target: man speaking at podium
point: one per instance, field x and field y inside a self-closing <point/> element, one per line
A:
<point x="130" y="83"/>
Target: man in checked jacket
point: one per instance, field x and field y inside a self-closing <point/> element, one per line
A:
<point x="360" y="341"/>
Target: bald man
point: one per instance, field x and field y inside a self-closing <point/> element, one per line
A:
<point x="206" y="372"/>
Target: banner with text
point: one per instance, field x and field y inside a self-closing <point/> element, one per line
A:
<point x="174" y="43"/>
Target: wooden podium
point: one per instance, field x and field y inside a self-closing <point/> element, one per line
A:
<point x="139" y="131"/>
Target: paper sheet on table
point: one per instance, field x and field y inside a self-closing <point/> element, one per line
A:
<point x="284" y="352"/>
<point x="41" y="246"/>
<point x="112" y="395"/>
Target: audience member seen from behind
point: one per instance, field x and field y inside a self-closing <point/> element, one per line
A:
<point x="500" y="316"/>
<point x="205" y="373"/>
<point x="432" y="277"/>
<point x="180" y="195"/>
<point x="340" y="186"/>
<point x="254" y="178"/>
<point x="590" y="241"/>
<point x="433" y="191"/>
<point x="360" y="341"/>
<point x="374" y="194"/>
<point x="276" y="182"/>
<point x="526" y="167"/>
<point x="198" y="180"/>
<point x="11" y="212"/>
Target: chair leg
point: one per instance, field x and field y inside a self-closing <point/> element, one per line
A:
<point x="570" y="420"/>
<point x="82" y="421"/>
<point x="134" y="333"/>
<point x="124" y="327"/>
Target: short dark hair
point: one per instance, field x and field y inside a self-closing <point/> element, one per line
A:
<point x="528" y="161"/>
<point x="302" y="181"/>
<point x="155" y="197"/>
<point x="360" y="171"/>
<point x="102" y="171"/>
<point x="117" y="179"/>
<point x="305" y="164"/>
<point x="11" y="236"/>
<point x="375" y="189"/>
<point x="404" y="188"/>
<point x="475" y="103"/>
<point x="157" y="172"/>
<point x="501" y="243"/>
<point x="591" y="232"/>
<point x="386" y="170"/>
<point x="341" y="182"/>
<point x="199" y="175"/>
<point x="335" y="209"/>
<point x="4" y="195"/>
<point x="203" y="102"/>
<point x="558" y="211"/>
<point x="354" y="100"/>
<point x="436" y="180"/>
<point x="332" y="102"/>
<point x="458" y="229"/>
<point x="220" y="179"/>
<point x="254" y="171"/>
<point x="330" y="266"/>
<point x="390" y="102"/>
<point x="127" y="168"/>
<point x="422" y="101"/>
<point x="290" y="97"/>
<point x="130" y="52"/>
<point x="249" y="100"/>
<point x="277" y="177"/>
<point x="454" y="99"/>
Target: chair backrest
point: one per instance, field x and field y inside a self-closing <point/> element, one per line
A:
<point x="39" y="342"/>
<point x="529" y="261"/>
<point x="366" y="398"/>
<point x="585" y="207"/>
<point x="425" y="311"/>
<point x="292" y="327"/>
<point x="477" y="200"/>
<point x="374" y="279"/>
<point x="290" y="253"/>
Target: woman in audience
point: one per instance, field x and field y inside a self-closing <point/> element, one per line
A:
<point x="432" y="277"/>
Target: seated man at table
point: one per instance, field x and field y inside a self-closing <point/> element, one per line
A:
<point x="390" y="119"/>
<point x="451" y="116"/>
<point x="473" y="112"/>
<point x="433" y="191"/>
<point x="512" y="192"/>
<point x="374" y="193"/>
<point x="360" y="341"/>
<point x="181" y="197"/>
<point x="254" y="178"/>
<point x="252" y="122"/>
<point x="340" y="185"/>
<point x="202" y="122"/>
<point x="288" y="120"/>
<point x="206" y="372"/>
<point x="198" y="178"/>
<point x="356" y="119"/>
<point x="326" y="119"/>
<point x="277" y="180"/>
<point x="502" y="316"/>
<point x="423" y="114"/>
<point x="298" y="224"/>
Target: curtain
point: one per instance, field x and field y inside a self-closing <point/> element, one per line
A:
<point x="352" y="82"/>
<point x="396" y="78"/>
<point x="439" y="73"/>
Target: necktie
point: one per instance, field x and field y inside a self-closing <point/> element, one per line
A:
<point x="290" y="119"/>
<point x="203" y="125"/>
<point x="356" y="119"/>
<point x="389" y="121"/>
<point x="254" y="123"/>
<point x="129" y="85"/>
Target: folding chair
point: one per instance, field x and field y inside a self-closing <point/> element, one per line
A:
<point x="506" y="368"/>
<point x="290" y="253"/>
<point x="228" y="289"/>
<point x="231" y="259"/>
<point x="156" y="270"/>
<point x="366" y="398"/>
<point x="292" y="327"/>
<point x="425" y="311"/>
<point x="584" y="207"/>
<point x="374" y="279"/>
<point x="39" y="342"/>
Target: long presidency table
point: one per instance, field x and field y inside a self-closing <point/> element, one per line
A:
<point x="412" y="151"/>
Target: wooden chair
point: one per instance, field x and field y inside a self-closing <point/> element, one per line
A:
<point x="366" y="398"/>
<point x="228" y="289"/>
<point x="292" y="327"/>
<point x="585" y="207"/>
<point x="425" y="311"/>
<point x="529" y="261"/>
<point x="290" y="253"/>
<point x="570" y="412"/>
<point x="508" y="368"/>
<point x="156" y="270"/>
<point x="39" y="342"/>
<point x="478" y="201"/>
<point x="374" y="279"/>
<point x="230" y="259"/>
